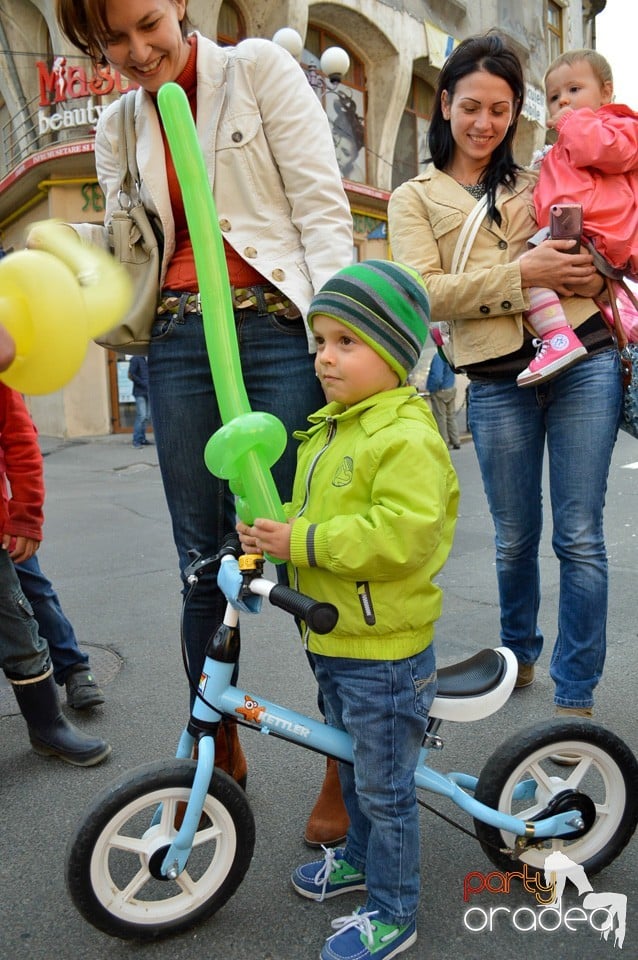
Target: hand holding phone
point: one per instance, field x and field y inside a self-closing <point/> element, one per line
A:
<point x="566" y="223"/>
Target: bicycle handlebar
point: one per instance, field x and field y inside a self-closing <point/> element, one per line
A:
<point x="320" y="616"/>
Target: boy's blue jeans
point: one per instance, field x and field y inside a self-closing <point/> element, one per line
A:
<point x="576" y="415"/>
<point x="53" y="624"/>
<point x="23" y="652"/>
<point x="279" y="377"/>
<point x="383" y="705"/>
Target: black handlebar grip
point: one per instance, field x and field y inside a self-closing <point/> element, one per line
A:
<point x="321" y="617"/>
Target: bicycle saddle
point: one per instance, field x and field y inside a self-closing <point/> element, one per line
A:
<point x="473" y="676"/>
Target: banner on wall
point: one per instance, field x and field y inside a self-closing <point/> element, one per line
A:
<point x="440" y="44"/>
<point x="534" y="104"/>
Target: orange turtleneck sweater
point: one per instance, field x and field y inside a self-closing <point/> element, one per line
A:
<point x="181" y="274"/>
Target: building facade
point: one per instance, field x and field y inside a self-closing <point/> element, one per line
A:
<point x="51" y="97"/>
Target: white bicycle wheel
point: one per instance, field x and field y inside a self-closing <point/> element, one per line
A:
<point x="114" y="861"/>
<point x="522" y="779"/>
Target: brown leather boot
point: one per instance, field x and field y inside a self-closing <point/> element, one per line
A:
<point x="328" y="821"/>
<point x="229" y="755"/>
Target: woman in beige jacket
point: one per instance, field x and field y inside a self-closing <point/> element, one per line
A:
<point x="286" y="226"/>
<point x="478" y="102"/>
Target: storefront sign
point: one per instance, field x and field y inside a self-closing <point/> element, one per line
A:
<point x="66" y="82"/>
<point x="534" y="105"/>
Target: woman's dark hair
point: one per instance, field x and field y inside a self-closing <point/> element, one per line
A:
<point x="85" y="23"/>
<point x="491" y="54"/>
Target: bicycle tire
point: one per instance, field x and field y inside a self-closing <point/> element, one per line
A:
<point x="113" y="858"/>
<point x="607" y="773"/>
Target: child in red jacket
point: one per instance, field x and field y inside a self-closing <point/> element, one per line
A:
<point x="24" y="654"/>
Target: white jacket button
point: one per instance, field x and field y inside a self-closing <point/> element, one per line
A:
<point x="224" y="226"/>
<point x="278" y="275"/>
<point x="250" y="253"/>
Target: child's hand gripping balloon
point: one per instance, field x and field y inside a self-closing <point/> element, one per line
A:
<point x="245" y="448"/>
<point x="54" y="298"/>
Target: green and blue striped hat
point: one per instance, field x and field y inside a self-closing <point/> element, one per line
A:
<point x="385" y="303"/>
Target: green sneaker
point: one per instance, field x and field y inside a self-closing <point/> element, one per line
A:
<point x="327" y="878"/>
<point x="366" y="939"/>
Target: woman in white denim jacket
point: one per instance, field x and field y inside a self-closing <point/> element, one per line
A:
<point x="287" y="227"/>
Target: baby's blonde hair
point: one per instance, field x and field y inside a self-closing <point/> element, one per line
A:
<point x="599" y="65"/>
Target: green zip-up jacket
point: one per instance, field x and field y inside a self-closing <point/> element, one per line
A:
<point x="375" y="500"/>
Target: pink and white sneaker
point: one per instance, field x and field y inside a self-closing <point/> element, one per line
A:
<point x="561" y="350"/>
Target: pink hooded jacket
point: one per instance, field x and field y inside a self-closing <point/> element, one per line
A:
<point x="595" y="163"/>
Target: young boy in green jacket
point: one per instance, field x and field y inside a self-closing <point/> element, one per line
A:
<point x="371" y="524"/>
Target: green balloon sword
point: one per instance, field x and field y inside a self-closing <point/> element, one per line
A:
<point x="243" y="450"/>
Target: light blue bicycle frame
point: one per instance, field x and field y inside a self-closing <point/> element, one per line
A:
<point x="218" y="697"/>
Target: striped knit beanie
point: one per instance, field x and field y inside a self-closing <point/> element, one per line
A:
<point x="385" y="303"/>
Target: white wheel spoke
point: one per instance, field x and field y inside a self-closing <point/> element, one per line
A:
<point x="207" y="835"/>
<point x="167" y="819"/>
<point x="577" y="775"/>
<point x="128" y="844"/>
<point x="185" y="883"/>
<point x="133" y="887"/>
<point x="540" y="775"/>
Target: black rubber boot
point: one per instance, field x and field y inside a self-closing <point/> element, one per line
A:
<point x="50" y="733"/>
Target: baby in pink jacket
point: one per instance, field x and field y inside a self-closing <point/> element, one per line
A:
<point x="594" y="163"/>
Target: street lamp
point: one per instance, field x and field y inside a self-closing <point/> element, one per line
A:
<point x="334" y="62"/>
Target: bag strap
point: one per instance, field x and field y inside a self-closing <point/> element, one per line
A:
<point x="467" y="235"/>
<point x="129" y="173"/>
<point x="621" y="336"/>
<point x="630" y="293"/>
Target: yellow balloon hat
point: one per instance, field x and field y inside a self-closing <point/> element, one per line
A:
<point x="55" y="298"/>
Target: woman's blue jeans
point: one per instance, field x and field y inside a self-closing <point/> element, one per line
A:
<point x="279" y="377"/>
<point x="383" y="705"/>
<point x="576" y="416"/>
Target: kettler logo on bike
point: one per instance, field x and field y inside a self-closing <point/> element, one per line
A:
<point x="604" y="913"/>
<point x="253" y="712"/>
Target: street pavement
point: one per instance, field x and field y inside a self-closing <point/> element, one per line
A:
<point x="109" y="552"/>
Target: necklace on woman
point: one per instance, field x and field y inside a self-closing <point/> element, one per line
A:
<point x="476" y="190"/>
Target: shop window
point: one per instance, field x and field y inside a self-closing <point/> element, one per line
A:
<point x="230" y="25"/>
<point x="344" y="104"/>
<point x="411" y="148"/>
<point x="554" y="30"/>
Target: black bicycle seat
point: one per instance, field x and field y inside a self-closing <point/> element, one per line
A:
<point x="473" y="676"/>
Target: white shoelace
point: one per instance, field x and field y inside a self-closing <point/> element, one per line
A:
<point x="541" y="346"/>
<point x="355" y="921"/>
<point x="322" y="876"/>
